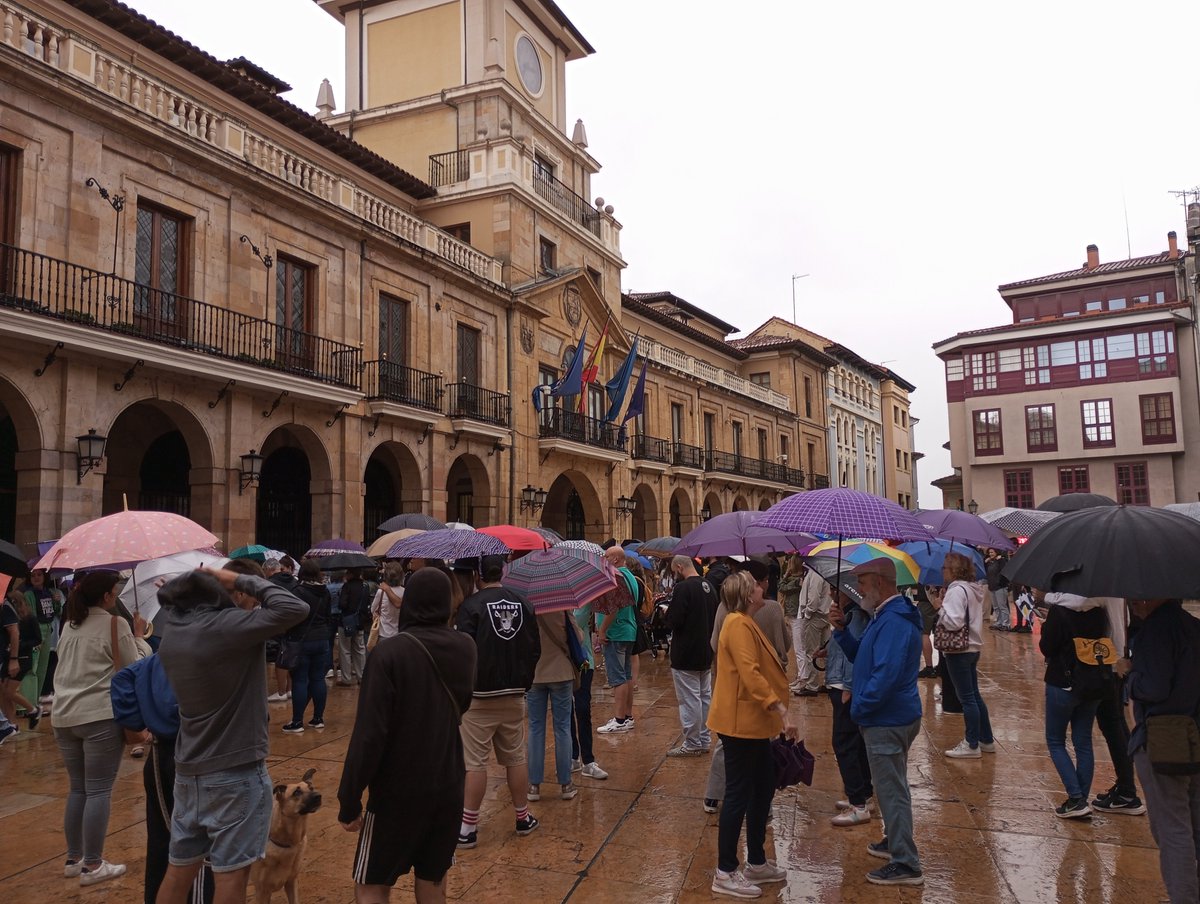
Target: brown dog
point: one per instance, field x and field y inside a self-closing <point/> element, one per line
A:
<point x="287" y="840"/>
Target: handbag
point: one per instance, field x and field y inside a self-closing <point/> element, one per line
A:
<point x="793" y="762"/>
<point x="947" y="641"/>
<point x="290" y="651"/>
<point x="1173" y="744"/>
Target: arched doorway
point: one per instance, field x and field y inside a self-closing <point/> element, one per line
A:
<point x="680" y="519"/>
<point x="573" y="508"/>
<point x="391" y="486"/>
<point x="468" y="492"/>
<point x="712" y="502"/>
<point x="284" y="516"/>
<point x="22" y="489"/>
<point x="764" y="503"/>
<point x="8" y="478"/>
<point x="740" y="504"/>
<point x="644" y="525"/>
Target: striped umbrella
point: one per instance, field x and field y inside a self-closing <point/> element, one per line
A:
<point x="333" y="548"/>
<point x="586" y="545"/>
<point x="930" y="556"/>
<point x="555" y="580"/>
<point x="411" y="519"/>
<point x="387" y="541"/>
<point x="447" y="544"/>
<point x="552" y="537"/>
<point x="857" y="552"/>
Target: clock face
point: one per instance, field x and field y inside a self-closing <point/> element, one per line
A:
<point x="529" y="65"/>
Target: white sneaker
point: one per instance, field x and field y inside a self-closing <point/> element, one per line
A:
<point x="964" y="751"/>
<point x="72" y="870"/>
<point x="593" y="770"/>
<point x="535" y="793"/>
<point x="576" y="765"/>
<point x="46" y="698"/>
<point x="329" y="674"/>
<point x="987" y="748"/>
<point x="102" y="873"/>
<point x="735" y="885"/>
<point x="277" y="698"/>
<point x="764" y="872"/>
<point x="853" y="817"/>
<point x="612" y="725"/>
<point x="843" y="805"/>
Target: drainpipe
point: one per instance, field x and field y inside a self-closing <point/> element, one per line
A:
<point x="512" y="451"/>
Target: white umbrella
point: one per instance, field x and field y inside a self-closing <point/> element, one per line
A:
<point x="140" y="593"/>
<point x="1191" y="509"/>
<point x="459" y="525"/>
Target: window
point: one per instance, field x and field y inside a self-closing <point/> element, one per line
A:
<point x="159" y="265"/>
<point x="468" y="355"/>
<point x="1091" y="354"/>
<point x="460" y="231"/>
<point x="762" y="379"/>
<point x="737" y="438"/>
<point x="393" y="329"/>
<point x="954" y="370"/>
<point x="596" y="279"/>
<point x="784" y="447"/>
<point x="1073" y="479"/>
<point x="1093" y="305"/>
<point x="898" y="459"/>
<point x="983" y="371"/>
<point x="988" y="437"/>
<point x="1116" y="304"/>
<point x="904" y="419"/>
<point x="1040" y="432"/>
<point x="1018" y="488"/>
<point x="547" y="376"/>
<point x="1133" y="486"/>
<point x="1158" y="418"/>
<point x="709" y="430"/>
<point x="543" y="166"/>
<point x="1010" y="360"/>
<point x="906" y="463"/>
<point x="895" y="414"/>
<point x="1152" y="351"/>
<point x="1035" y="360"/>
<point x="762" y="444"/>
<point x="547" y="254"/>
<point x="596" y="404"/>
<point x="808" y="397"/>
<point x="10" y="167"/>
<point x="676" y="422"/>
<point x="812" y="458"/>
<point x="1097" y="423"/>
<point x="294" y="287"/>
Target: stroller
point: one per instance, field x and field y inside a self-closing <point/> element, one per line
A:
<point x="660" y="634"/>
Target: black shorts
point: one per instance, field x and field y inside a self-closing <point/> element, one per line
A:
<point x="421" y="837"/>
<point x="24" y="665"/>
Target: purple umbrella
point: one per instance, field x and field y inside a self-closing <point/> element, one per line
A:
<point x="333" y="548"/>
<point x="963" y="527"/>
<point x="554" y="580"/>
<point x="841" y="513"/>
<point x="410" y="519"/>
<point x="447" y="544"/>
<point x="738" y="534"/>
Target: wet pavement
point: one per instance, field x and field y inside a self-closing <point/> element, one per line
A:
<point x="985" y="828"/>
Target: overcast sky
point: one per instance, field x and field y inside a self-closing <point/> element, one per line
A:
<point x="910" y="157"/>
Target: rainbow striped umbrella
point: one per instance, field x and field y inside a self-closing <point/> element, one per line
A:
<point x="859" y="551"/>
<point x="555" y="580"/>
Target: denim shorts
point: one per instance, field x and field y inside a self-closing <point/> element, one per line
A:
<point x="224" y="816"/>
<point x="618" y="662"/>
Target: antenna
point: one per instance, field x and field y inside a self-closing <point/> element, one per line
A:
<point x="1187" y="195"/>
<point x="794" y="278"/>
<point x="1125" y="206"/>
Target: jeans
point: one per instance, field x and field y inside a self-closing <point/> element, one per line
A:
<point x="887" y="752"/>
<point x="1110" y="717"/>
<point x="308" y="679"/>
<point x="814" y="633"/>
<point x="1064" y="708"/>
<point x="559" y="696"/>
<point x="158" y="779"/>
<point x="715" y="789"/>
<point x="1000" y="607"/>
<point x="618" y="662"/>
<point x="352" y="655"/>
<point x="1173" y="806"/>
<point x="749" y="788"/>
<point x="92" y="754"/>
<point x="693" y="690"/>
<point x="581" y="720"/>
<point x="851" y="752"/>
<point x="964" y="673"/>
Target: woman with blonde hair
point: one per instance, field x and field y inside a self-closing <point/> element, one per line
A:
<point x="960" y="604"/>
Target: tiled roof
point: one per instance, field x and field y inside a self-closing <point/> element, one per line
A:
<point x="1086" y="317"/>
<point x="1133" y="263"/>
<point x="633" y="304"/>
<point x="686" y="307"/>
<point x="767" y="342"/>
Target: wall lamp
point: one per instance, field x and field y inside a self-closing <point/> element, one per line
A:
<point x="90" y="451"/>
<point x="973" y="507"/>
<point x="705" y="513"/>
<point x="533" y="500"/>
<point x="251" y="473"/>
<point x="625" y="506"/>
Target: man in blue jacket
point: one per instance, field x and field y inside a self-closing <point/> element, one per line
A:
<point x="886" y="706"/>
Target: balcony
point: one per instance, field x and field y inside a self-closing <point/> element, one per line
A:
<point x="752" y="468"/>
<point x="651" y="448"/>
<point x="448" y="168"/>
<point x="475" y="403"/>
<point x="820" y="482"/>
<point x="56" y="289"/>
<point x="571" y="205"/>
<point x="390" y="382"/>
<point x="714" y="376"/>
<point x="685" y="456"/>
<point x="556" y="423"/>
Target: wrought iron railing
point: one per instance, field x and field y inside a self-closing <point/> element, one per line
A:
<point x="685" y="456"/>
<point x="819" y="482"/>
<point x="393" y="382"/>
<point x="582" y="429"/>
<point x="478" y="404"/>
<point x="50" y="287"/>
<point x="558" y="195"/>
<point x="448" y="168"/>
<point x="651" y="448"/>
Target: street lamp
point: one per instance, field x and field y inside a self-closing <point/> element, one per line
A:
<point x="533" y="500"/>
<point x="705" y="513"/>
<point x="973" y="507"/>
<point x="251" y="472"/>
<point x="625" y="506"/>
<point x="90" y="451"/>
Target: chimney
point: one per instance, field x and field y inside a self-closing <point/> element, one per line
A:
<point x="1193" y="221"/>
<point x="1093" y="260"/>
<point x="1172" y="246"/>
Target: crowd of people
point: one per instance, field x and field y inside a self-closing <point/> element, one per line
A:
<point x="452" y="667"/>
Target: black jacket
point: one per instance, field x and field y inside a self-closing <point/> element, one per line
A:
<point x="1165" y="677"/>
<point x="316" y="626"/>
<point x="995" y="580"/>
<point x="1059" y="631"/>
<point x="691" y="615"/>
<point x="507" y="641"/>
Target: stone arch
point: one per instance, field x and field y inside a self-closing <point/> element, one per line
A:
<point x="713" y="503"/>
<point x="681" y="513"/>
<point x="644" y="524"/>
<point x="469" y="492"/>
<point x="295" y="494"/>
<point x="20" y="466"/>
<point x="740" y="504"/>
<point x="765" y="503"/>
<point x="573" y="508"/>
<point x="391" y="485"/>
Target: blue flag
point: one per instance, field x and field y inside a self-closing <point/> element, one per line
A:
<point x="571" y="383"/>
<point x="637" y="401"/>
<point x="617" y="386"/>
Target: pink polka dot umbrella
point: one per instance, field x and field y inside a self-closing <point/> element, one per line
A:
<point x="123" y="539"/>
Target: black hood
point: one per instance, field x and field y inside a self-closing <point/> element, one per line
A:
<point x="426" y="599"/>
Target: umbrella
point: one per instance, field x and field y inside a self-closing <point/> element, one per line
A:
<point x="1022" y="522"/>
<point x="1123" y="551"/>
<point x="255" y="552"/>
<point x="842" y="512"/>
<point x="931" y="554"/>
<point x="955" y="524"/>
<point x="1074" y="502"/>
<point x="585" y="545"/>
<point x="519" y="539"/>
<point x="447" y="544"/>
<point x="554" y="580"/>
<point x="140" y="593"/>
<point x="125" y="538"/>
<point x="660" y="547"/>
<point x="411" y="519"/>
<point x="459" y="525"/>
<point x="340" y="560"/>
<point x="12" y="560"/>
<point x="1191" y="509"/>
<point x="551" y="536"/>
<point x="858" y="551"/>
<point x="333" y="548"/>
<point x="836" y="574"/>
<point x="387" y="541"/>
<point x="738" y="534"/>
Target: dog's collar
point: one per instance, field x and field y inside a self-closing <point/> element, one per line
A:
<point x="278" y="843"/>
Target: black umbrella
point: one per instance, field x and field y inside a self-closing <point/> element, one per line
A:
<point x="1125" y="551"/>
<point x="12" y="560"/>
<point x="346" y="560"/>
<point x="414" y="520"/>
<point x="1074" y="502"/>
<point x="836" y="574"/>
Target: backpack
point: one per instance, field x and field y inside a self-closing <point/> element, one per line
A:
<point x="1090" y="662"/>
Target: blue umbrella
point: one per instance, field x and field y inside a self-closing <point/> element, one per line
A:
<point x="931" y="554"/>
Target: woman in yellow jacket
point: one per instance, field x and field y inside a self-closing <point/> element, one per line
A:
<point x="749" y="707"/>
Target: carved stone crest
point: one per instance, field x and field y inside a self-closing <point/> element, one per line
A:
<point x="526" y="337"/>
<point x="572" y="305"/>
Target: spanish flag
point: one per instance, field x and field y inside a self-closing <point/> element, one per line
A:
<point x="591" y="370"/>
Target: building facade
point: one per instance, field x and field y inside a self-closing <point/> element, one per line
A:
<point x="1091" y="388"/>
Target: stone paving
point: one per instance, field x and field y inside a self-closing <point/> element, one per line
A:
<point x="984" y="827"/>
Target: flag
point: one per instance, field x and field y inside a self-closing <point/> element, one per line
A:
<point x="539" y="396"/>
<point x="592" y="369"/>
<point x="637" y="401"/>
<point x="572" y="381"/>
<point x="618" y="385"/>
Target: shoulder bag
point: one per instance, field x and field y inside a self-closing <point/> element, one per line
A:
<point x="948" y="641"/>
<point x="291" y="650"/>
<point x="438" y="672"/>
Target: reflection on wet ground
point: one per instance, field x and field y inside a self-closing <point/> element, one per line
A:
<point x="984" y="827"/>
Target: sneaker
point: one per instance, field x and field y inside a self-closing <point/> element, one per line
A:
<point x="101" y="873"/>
<point x="468" y="841"/>
<point x="684" y="750"/>
<point x="855" y="816"/>
<point x="735" y="885"/>
<point x="569" y="791"/>
<point x="576" y="765"/>
<point x="277" y="698"/>
<point x="71" y="870"/>
<point x="35" y="717"/>
<point x="329" y="674"/>
<point x="316" y="724"/>
<point x="805" y="692"/>
<point x="764" y="872"/>
<point x="895" y="874"/>
<point x="987" y="747"/>
<point x="928" y="672"/>
<point x="711" y="805"/>
<point x="612" y="726"/>
<point x="535" y="792"/>
<point x="1116" y="803"/>
<point x="846" y="805"/>
<point x="593" y="770"/>
<point x="46" y="698"/>
<point x="294" y="728"/>
<point x="527" y="825"/>
<point x="964" y="751"/>
<point x="879" y="849"/>
<point x="1073" y="808"/>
